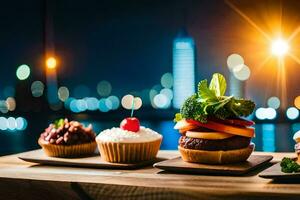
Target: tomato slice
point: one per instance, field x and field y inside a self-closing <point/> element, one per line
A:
<point x="183" y="124"/>
<point x="234" y="122"/>
<point x="241" y="131"/>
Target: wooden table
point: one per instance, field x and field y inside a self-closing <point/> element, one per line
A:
<point x="23" y="180"/>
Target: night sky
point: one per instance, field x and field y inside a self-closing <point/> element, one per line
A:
<point x="129" y="43"/>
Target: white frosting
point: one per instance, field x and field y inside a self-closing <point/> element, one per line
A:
<point x="120" y="135"/>
<point x="297" y="136"/>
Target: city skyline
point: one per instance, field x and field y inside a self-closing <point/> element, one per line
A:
<point x="159" y="40"/>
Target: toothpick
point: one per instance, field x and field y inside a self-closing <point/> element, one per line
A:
<point x="132" y="107"/>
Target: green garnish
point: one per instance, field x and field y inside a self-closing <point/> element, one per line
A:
<point x="288" y="165"/>
<point x="58" y="123"/>
<point x="178" y="117"/>
<point x="210" y="101"/>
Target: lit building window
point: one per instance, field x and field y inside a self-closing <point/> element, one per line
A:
<point x="183" y="68"/>
<point x="268" y="137"/>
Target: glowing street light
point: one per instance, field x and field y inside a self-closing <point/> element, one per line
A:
<point x="279" y="47"/>
<point x="51" y="63"/>
<point x="23" y="72"/>
<point x="52" y="93"/>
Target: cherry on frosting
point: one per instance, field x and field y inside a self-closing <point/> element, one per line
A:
<point x="130" y="124"/>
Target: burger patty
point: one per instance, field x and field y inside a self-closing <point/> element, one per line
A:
<point x="235" y="142"/>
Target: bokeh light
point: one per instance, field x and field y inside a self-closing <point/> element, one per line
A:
<point x="73" y="106"/>
<point x="23" y="72"/>
<point x="127" y="102"/>
<point x="167" y="80"/>
<point x="167" y="92"/>
<point x="81" y="105"/>
<point x="137" y="103"/>
<point x="68" y="102"/>
<point x="292" y="113"/>
<point x="274" y="102"/>
<point x="270" y="113"/>
<point x="265" y="113"/>
<point x="241" y="72"/>
<point x="161" y="101"/>
<point x="234" y="60"/>
<point x="152" y="94"/>
<point x="259" y="113"/>
<point x="3" y="106"/>
<point x="3" y="123"/>
<point x="11" y="103"/>
<point x="104" y="88"/>
<point x="297" y="102"/>
<point x="37" y="88"/>
<point x="103" y="105"/>
<point x="21" y="123"/>
<point x="108" y="103"/>
<point x="13" y="124"/>
<point x="63" y="93"/>
<point x="115" y="102"/>
<point x="51" y="63"/>
<point x="92" y="103"/>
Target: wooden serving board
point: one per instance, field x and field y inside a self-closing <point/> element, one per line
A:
<point x="275" y="172"/>
<point x="38" y="156"/>
<point x="177" y="165"/>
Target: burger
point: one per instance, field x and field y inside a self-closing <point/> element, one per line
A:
<point x="212" y="126"/>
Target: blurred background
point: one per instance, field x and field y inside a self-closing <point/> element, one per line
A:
<point x="78" y="59"/>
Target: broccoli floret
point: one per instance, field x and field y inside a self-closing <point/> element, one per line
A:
<point x="289" y="166"/>
<point x="192" y="109"/>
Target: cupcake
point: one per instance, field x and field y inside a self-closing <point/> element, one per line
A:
<point x="131" y="143"/>
<point x="68" y="139"/>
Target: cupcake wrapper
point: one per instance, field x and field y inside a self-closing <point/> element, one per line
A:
<point x="128" y="152"/>
<point x="65" y="151"/>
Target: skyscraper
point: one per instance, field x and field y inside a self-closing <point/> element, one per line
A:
<point x="183" y="68"/>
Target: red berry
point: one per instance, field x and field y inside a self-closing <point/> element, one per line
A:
<point x="130" y="124"/>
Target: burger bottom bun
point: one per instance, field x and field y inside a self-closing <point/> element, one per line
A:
<point x="216" y="157"/>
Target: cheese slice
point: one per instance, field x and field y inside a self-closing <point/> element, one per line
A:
<point x="208" y="135"/>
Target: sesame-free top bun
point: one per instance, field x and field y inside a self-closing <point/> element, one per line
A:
<point x="216" y="157"/>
